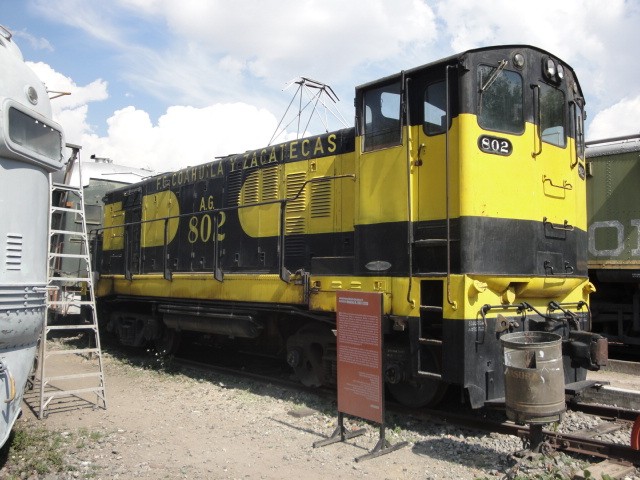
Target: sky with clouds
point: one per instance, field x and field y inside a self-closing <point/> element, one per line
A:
<point x="164" y="84"/>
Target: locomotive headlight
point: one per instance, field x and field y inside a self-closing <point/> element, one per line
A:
<point x="518" y="60"/>
<point x="560" y="72"/>
<point x="549" y="68"/>
<point x="581" y="171"/>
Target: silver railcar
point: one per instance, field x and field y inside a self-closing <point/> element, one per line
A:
<point x="30" y="148"/>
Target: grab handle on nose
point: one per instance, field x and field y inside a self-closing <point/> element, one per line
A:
<point x="12" y="383"/>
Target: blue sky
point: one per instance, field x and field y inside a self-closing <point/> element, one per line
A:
<point x="166" y="83"/>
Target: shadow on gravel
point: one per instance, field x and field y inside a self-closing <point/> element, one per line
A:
<point x="4" y="451"/>
<point x="320" y="435"/>
<point x="443" y="447"/>
<point x="216" y="358"/>
<point x="435" y="439"/>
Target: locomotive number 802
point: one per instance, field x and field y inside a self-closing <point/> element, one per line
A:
<point x="457" y="195"/>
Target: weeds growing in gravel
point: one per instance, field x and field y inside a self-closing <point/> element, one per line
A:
<point x="557" y="466"/>
<point x="161" y="361"/>
<point x="33" y="451"/>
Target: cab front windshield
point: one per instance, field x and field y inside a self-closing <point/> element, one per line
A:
<point x="501" y="104"/>
<point x="501" y="101"/>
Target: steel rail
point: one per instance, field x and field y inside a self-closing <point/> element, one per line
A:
<point x="571" y="442"/>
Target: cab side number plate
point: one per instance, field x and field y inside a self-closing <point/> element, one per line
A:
<point x="495" y="145"/>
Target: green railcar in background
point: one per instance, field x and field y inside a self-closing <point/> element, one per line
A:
<point x="613" y="211"/>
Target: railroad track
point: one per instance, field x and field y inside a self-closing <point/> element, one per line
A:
<point x="581" y="442"/>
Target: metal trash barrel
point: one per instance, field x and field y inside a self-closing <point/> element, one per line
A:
<point x="533" y="377"/>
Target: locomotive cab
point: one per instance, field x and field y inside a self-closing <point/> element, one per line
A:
<point x="481" y="209"/>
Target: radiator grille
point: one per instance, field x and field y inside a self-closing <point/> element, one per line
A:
<point x="269" y="184"/>
<point x="251" y="191"/>
<point x="234" y="183"/>
<point x="295" y="213"/>
<point x="321" y="200"/>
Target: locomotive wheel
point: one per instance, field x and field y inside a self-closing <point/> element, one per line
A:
<point x="423" y="392"/>
<point x="168" y="342"/>
<point x="305" y="353"/>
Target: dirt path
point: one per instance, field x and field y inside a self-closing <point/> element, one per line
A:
<point x="198" y="425"/>
<point x="195" y="425"/>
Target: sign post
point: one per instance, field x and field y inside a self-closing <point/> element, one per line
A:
<point x="360" y="372"/>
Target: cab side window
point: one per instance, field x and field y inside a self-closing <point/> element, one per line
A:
<point x="435" y="110"/>
<point x="552" y="115"/>
<point x="382" y="118"/>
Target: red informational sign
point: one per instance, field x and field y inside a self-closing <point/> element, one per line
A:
<point x="360" y="383"/>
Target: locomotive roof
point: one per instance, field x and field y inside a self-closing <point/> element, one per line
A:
<point x="343" y="139"/>
<point x="458" y="57"/>
<point x="102" y="170"/>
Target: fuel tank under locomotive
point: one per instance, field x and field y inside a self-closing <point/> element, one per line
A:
<point x="138" y="329"/>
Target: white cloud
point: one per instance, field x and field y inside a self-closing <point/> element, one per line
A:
<point x="36" y="43"/>
<point x="74" y="123"/>
<point x="84" y="15"/>
<point x="230" y="61"/>
<point x="307" y="32"/>
<point x="79" y="95"/>
<point x="183" y="136"/>
<point x="569" y="28"/>
<point x="216" y="52"/>
<point x="620" y="119"/>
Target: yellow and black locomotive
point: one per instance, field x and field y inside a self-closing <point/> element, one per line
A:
<point x="459" y="195"/>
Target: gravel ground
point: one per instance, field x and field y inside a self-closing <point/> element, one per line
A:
<point x="198" y="425"/>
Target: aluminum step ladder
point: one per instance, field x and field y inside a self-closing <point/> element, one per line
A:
<point x="70" y="364"/>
